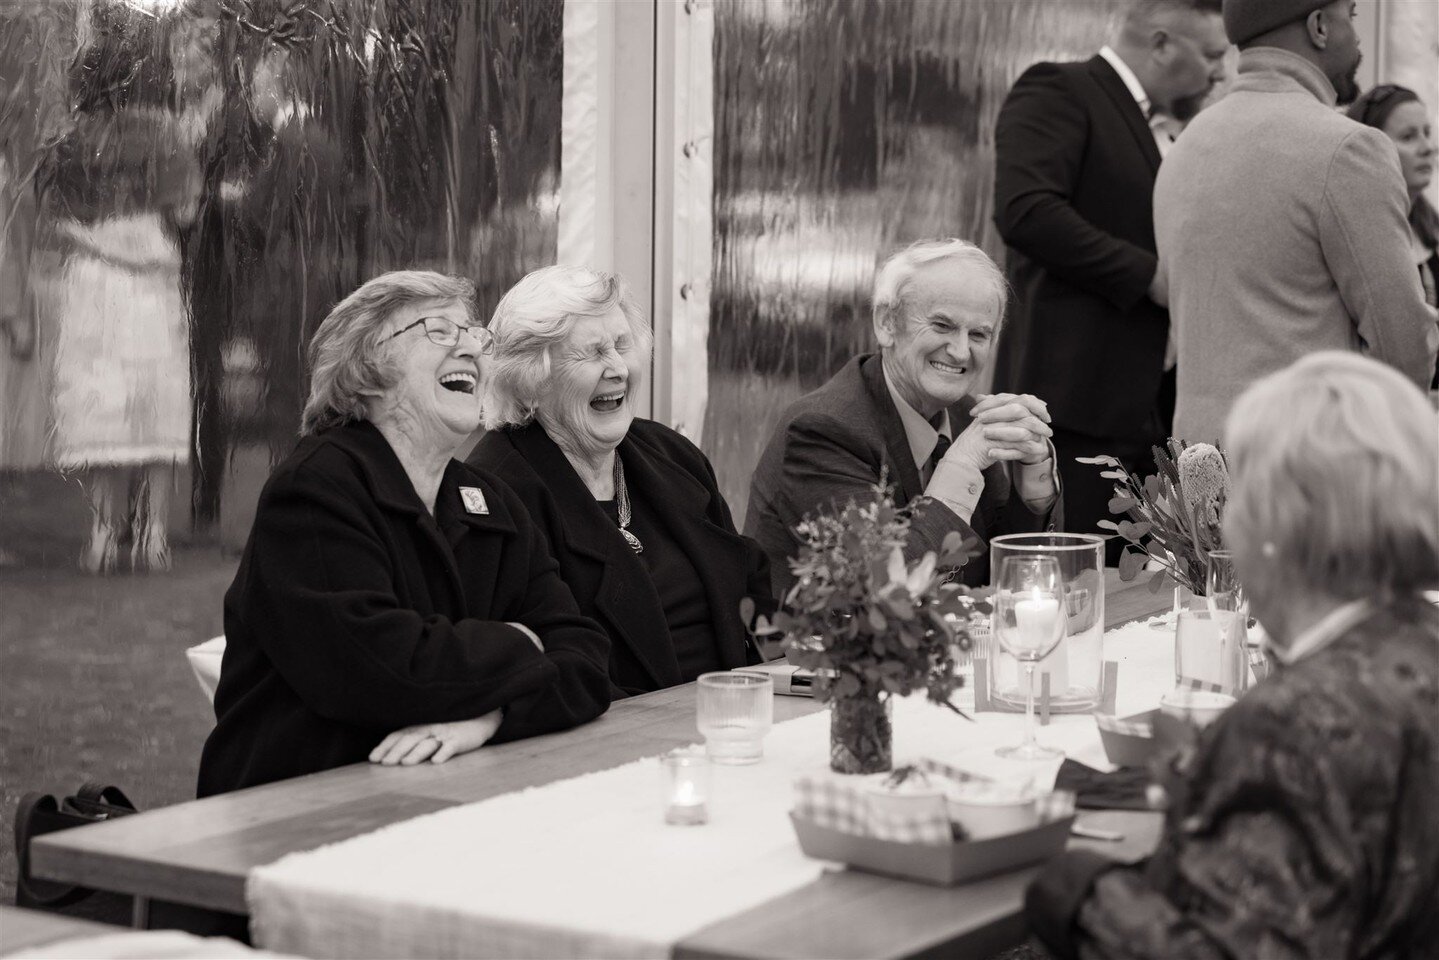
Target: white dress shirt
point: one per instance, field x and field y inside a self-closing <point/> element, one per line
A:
<point x="1160" y="123"/>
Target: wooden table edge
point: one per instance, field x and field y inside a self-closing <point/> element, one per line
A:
<point x="72" y="857"/>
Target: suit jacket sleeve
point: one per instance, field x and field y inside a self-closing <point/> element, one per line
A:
<point x="828" y="463"/>
<point x="1365" y="236"/>
<point x="324" y="607"/>
<point x="1039" y="157"/>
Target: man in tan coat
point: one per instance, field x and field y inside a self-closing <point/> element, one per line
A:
<point x="1281" y="223"/>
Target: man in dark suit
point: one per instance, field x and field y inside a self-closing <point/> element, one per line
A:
<point x="980" y="466"/>
<point x="1077" y="148"/>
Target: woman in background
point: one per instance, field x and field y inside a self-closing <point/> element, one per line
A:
<point x="1303" y="823"/>
<point x="1399" y="112"/>
<point x="115" y="191"/>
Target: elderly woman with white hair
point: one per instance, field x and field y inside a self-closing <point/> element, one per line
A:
<point x="632" y="509"/>
<point x="393" y="603"/>
<point x="1303" y="823"/>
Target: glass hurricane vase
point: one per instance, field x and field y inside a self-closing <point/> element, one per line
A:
<point x="861" y="737"/>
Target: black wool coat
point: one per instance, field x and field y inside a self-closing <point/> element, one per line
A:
<point x="1075" y="163"/>
<point x="355" y="612"/>
<point x="832" y="446"/>
<point x="610" y="582"/>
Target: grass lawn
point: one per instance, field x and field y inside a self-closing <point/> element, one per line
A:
<point x="95" y="682"/>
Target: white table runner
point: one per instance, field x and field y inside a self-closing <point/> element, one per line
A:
<point x="587" y="868"/>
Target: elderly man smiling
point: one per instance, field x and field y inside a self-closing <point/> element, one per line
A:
<point x="979" y="465"/>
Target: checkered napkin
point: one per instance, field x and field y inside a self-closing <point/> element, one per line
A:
<point x="1189" y="683"/>
<point x="1128" y="728"/>
<point x="846" y="808"/>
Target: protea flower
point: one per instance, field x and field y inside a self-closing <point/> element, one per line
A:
<point x="1203" y="477"/>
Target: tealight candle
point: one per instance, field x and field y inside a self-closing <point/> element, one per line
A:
<point x="686" y="785"/>
<point x="1037" y="619"/>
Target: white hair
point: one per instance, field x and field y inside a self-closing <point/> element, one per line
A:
<point x="537" y="314"/>
<point x="892" y="280"/>
<point x="346" y="365"/>
<point x="1336" y="478"/>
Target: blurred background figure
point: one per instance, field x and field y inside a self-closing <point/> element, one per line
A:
<point x="1300" y="210"/>
<point x="1303" y="823"/>
<point x="116" y="189"/>
<point x="1399" y="112"/>
<point x="1077" y="148"/>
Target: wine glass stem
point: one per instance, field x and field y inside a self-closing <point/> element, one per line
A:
<point x="1029" y="703"/>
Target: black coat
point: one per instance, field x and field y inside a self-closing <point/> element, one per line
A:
<point x="355" y="613"/>
<point x="1075" y="163"/>
<point x="610" y="582"/>
<point x="831" y="446"/>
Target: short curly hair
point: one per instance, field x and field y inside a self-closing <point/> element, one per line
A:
<point x="537" y="314"/>
<point x="347" y="366"/>
<point x="1335" y="463"/>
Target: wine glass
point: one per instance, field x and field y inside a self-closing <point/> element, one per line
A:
<point x="1029" y="623"/>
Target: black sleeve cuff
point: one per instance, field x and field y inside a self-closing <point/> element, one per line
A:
<point x="1052" y="902"/>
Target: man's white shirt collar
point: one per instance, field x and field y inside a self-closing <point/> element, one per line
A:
<point x="1136" y="89"/>
<point x="917" y="430"/>
<point x="1159" y="121"/>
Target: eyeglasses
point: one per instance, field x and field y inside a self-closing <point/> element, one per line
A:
<point x="446" y="333"/>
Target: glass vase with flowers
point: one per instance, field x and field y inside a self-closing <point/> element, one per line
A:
<point x="872" y="624"/>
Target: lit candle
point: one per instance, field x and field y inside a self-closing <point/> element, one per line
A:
<point x="1037" y="619"/>
<point x="686" y="780"/>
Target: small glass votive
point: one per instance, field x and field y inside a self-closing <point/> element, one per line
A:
<point x="686" y="787"/>
<point x="733" y="712"/>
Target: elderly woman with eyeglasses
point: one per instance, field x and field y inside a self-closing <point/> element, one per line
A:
<point x="1402" y="116"/>
<point x="631" y="508"/>
<point x="1303" y="823"/>
<point x="393" y="603"/>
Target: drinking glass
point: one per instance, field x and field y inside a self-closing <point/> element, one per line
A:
<point x="734" y="712"/>
<point x="1076" y="668"/>
<point x="1029" y="624"/>
<point x="686" y="786"/>
<point x="1210" y="643"/>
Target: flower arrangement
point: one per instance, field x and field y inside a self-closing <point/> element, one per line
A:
<point x="871" y="624"/>
<point x="1173" y="516"/>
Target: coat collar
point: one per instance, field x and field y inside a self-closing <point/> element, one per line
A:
<point x="1272" y="70"/>
<point x="1114" y="87"/>
<point x="388" y="483"/>
<point x="896" y="441"/>
<point x="590" y="537"/>
<point x="680" y="501"/>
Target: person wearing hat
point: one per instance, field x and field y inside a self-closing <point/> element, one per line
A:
<point x="1077" y="147"/>
<point x="1282" y="225"/>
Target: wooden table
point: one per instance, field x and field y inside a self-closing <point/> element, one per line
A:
<point x="23" y="929"/>
<point x="199" y="853"/>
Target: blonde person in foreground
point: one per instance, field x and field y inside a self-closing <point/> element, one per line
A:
<point x="1303" y="824"/>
